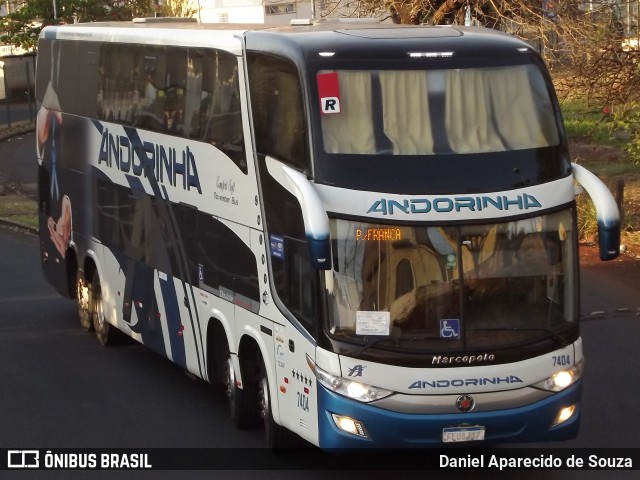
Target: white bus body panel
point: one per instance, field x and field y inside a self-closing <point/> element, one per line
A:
<point x="441" y="208"/>
<point x="483" y="377"/>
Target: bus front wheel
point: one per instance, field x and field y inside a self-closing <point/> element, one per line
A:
<point x="278" y="437"/>
<point x="242" y="401"/>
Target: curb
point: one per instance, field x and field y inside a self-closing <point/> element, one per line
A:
<point x="17" y="133"/>
<point x="19" y="226"/>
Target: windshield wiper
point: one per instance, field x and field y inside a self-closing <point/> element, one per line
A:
<point x="374" y="341"/>
<point x="396" y="341"/>
<point x="552" y="335"/>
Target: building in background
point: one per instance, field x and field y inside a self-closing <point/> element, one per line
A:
<point x="275" y="12"/>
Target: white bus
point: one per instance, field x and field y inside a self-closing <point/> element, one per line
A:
<point x="366" y="233"/>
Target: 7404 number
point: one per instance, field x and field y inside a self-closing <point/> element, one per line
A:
<point x="561" y="360"/>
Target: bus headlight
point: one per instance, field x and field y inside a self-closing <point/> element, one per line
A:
<point x="562" y="379"/>
<point x="359" y="391"/>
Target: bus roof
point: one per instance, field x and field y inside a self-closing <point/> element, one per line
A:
<point x="354" y="39"/>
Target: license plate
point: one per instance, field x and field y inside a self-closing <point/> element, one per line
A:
<point x="462" y="434"/>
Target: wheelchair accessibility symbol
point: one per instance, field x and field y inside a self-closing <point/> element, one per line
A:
<point x="450" y="328"/>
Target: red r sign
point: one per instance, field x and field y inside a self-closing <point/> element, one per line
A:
<point x="329" y="92"/>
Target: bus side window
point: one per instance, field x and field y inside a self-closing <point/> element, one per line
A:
<point x="220" y="121"/>
<point x="150" y="114"/>
<point x="175" y="85"/>
<point x="119" y="82"/>
<point x="277" y="108"/>
<point x="295" y="282"/>
<point x="192" y="93"/>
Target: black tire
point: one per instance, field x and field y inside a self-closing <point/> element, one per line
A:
<point x="84" y="303"/>
<point x="278" y="438"/>
<point x="243" y="402"/>
<point x="102" y="328"/>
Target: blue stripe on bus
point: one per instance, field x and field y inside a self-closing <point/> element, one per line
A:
<point x="98" y="125"/>
<point x="135" y="184"/>
<point x="174" y="325"/>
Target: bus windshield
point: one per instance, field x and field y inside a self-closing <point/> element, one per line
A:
<point x="452" y="287"/>
<point x="418" y="112"/>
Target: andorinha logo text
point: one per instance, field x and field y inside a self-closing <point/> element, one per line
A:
<point x="454" y="204"/>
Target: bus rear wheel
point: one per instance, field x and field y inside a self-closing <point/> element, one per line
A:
<point x="83" y="301"/>
<point x="100" y="324"/>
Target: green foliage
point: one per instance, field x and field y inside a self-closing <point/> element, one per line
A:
<point x="177" y="8"/>
<point x="22" y="26"/>
<point x="630" y="121"/>
<point x="633" y="148"/>
<point x="608" y="125"/>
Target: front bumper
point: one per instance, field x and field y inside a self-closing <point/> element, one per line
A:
<point x="387" y="429"/>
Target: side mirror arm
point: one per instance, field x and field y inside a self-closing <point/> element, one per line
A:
<point x="606" y="211"/>
<point x="314" y="215"/>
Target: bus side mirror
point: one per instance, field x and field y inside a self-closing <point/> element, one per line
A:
<point x="314" y="215"/>
<point x="320" y="253"/>
<point x="606" y="211"/>
<point x="608" y="242"/>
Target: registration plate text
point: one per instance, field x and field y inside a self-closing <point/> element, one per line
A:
<point x="462" y="434"/>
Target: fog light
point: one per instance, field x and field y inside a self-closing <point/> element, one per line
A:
<point x="349" y="425"/>
<point x="563" y="415"/>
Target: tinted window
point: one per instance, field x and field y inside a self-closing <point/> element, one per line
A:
<point x="178" y="240"/>
<point x="414" y="112"/>
<point x="188" y="92"/>
<point x="295" y="281"/>
<point x="277" y="108"/>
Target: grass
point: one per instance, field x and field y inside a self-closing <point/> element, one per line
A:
<point x="599" y="125"/>
<point x="581" y="120"/>
<point x="30" y="221"/>
<point x="23" y="211"/>
<point x="17" y="205"/>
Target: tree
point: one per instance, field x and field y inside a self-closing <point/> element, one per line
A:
<point x="582" y="41"/>
<point x="22" y="26"/>
<point x="177" y="8"/>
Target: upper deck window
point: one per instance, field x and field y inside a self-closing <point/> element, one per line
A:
<point x="476" y="110"/>
<point x="186" y="92"/>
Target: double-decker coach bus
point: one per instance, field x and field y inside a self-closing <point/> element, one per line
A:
<point x="365" y="232"/>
